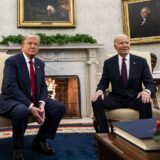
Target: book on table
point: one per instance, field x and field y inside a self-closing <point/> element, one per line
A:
<point x="139" y="133"/>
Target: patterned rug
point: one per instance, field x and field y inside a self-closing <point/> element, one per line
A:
<point x="63" y="128"/>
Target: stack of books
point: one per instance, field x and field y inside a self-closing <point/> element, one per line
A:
<point x="139" y="133"/>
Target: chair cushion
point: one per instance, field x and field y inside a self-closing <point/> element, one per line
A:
<point x="6" y="122"/>
<point x="122" y="114"/>
<point x="155" y="112"/>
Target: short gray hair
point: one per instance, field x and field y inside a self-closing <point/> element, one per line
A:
<point x="147" y="9"/>
<point x="119" y="35"/>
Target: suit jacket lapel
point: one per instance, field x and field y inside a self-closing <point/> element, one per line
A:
<point x="116" y="67"/>
<point x="24" y="68"/>
<point x="132" y="69"/>
<point x="37" y="73"/>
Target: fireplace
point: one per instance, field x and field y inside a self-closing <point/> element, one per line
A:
<point x="66" y="89"/>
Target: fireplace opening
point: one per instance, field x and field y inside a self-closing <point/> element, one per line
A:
<point x="66" y="89"/>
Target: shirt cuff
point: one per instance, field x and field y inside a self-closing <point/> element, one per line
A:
<point x="100" y="91"/>
<point x="42" y="102"/>
<point x="147" y="90"/>
<point x="31" y="105"/>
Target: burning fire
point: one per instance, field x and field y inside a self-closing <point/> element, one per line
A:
<point x="51" y="86"/>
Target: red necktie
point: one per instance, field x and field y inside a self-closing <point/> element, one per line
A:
<point x="124" y="72"/>
<point x="32" y="78"/>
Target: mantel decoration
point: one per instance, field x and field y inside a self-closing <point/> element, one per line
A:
<point x="60" y="39"/>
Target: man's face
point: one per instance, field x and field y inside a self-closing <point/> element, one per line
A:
<point x="122" y="45"/>
<point x="144" y="13"/>
<point x="30" y="46"/>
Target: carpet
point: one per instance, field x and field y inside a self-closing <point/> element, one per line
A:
<point x="63" y="128"/>
<point x="69" y="146"/>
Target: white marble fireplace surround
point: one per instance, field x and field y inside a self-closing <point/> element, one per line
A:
<point x="65" y="60"/>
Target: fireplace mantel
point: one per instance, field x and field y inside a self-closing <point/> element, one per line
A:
<point x="85" y="54"/>
<point x="51" y="47"/>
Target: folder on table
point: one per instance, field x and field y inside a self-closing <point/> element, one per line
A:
<point x="138" y="132"/>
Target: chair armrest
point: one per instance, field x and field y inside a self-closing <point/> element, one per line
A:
<point x="106" y="91"/>
<point x="155" y="102"/>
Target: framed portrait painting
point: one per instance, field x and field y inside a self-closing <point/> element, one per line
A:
<point x="141" y="20"/>
<point x="46" y="13"/>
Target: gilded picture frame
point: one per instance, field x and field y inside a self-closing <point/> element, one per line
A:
<point x="46" y="13"/>
<point x="141" y="20"/>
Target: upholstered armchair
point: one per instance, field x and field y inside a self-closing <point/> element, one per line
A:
<point x="125" y="114"/>
<point x="4" y="121"/>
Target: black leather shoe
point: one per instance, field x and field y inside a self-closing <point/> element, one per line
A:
<point x="43" y="147"/>
<point x="17" y="154"/>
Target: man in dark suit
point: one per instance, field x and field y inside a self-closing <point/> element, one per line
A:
<point x="24" y="94"/>
<point x="125" y="72"/>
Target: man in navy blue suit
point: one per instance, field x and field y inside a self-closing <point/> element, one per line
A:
<point x="126" y="86"/>
<point x="24" y="94"/>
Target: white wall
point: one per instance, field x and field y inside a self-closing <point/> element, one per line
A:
<point x="100" y="18"/>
